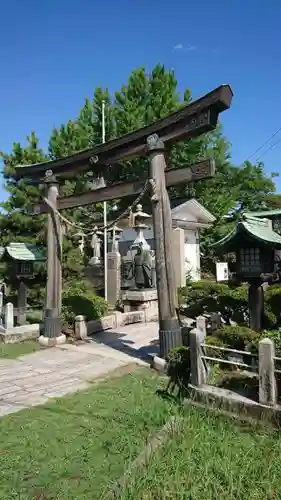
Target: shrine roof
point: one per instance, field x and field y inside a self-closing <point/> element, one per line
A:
<point x="264" y="213"/>
<point x="23" y="251"/>
<point x="191" y="210"/>
<point x="259" y="229"/>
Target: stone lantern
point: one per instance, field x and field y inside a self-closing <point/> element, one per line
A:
<point x="254" y="243"/>
<point x="115" y="234"/>
<point x="139" y="226"/>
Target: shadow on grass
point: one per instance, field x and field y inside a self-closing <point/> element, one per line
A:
<point x="177" y="398"/>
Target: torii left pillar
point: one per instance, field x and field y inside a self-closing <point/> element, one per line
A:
<point x="52" y="334"/>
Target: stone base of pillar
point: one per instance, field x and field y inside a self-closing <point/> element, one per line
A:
<point x="52" y="341"/>
<point x="52" y="329"/>
<point x="170" y="336"/>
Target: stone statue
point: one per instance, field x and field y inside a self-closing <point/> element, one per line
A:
<point x="96" y="246"/>
<point x="142" y="268"/>
<point x="81" y="244"/>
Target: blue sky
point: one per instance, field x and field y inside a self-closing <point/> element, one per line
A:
<point x="53" y="54"/>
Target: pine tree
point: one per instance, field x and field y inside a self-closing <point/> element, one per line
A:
<point x="15" y="221"/>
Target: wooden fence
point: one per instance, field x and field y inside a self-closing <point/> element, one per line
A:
<point x="264" y="364"/>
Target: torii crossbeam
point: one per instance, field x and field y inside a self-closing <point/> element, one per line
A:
<point x="190" y="121"/>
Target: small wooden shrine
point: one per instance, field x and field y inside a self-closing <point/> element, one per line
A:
<point x="21" y="259"/>
<point x="256" y="246"/>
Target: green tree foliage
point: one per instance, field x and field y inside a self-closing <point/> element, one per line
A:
<point x="15" y="222"/>
<point x="273" y="202"/>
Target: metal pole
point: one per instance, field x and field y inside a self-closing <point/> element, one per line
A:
<point x="104" y="211"/>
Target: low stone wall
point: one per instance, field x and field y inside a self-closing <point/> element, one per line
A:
<point x="82" y="328"/>
<point x="112" y="321"/>
<point x="20" y="333"/>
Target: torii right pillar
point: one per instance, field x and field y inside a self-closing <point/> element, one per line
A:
<point x="169" y="329"/>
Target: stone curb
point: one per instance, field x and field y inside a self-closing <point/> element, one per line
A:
<point x="159" y="364"/>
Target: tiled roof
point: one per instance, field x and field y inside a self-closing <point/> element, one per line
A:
<point x="23" y="251"/>
<point x="253" y="227"/>
<point x="264" y="213"/>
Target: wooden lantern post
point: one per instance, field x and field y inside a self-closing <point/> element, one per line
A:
<point x="256" y="305"/>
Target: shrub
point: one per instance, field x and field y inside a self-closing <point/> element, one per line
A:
<point x="209" y="296"/>
<point x="230" y="301"/>
<point x="270" y="334"/>
<point x="79" y="298"/>
<point x="237" y="337"/>
<point x="212" y="340"/>
<point x="276" y="336"/>
<point x="272" y="298"/>
<point x="34" y="316"/>
<point x="179" y="369"/>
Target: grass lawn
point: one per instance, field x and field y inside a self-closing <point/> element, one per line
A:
<point x="13" y="351"/>
<point x="213" y="459"/>
<point x="76" y="446"/>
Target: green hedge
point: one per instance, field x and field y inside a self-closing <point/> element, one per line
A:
<point x="78" y="298"/>
<point x="243" y="338"/>
<point x="229" y="301"/>
<point x="236" y="337"/>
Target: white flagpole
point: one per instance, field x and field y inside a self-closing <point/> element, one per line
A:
<point x="104" y="211"/>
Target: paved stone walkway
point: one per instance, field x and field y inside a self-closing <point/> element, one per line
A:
<point x="35" y="378"/>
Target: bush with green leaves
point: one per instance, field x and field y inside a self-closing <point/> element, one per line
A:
<point x="237" y="337"/>
<point x="213" y="341"/>
<point x="179" y="369"/>
<point x="274" y="335"/>
<point x="209" y="296"/>
<point x="243" y="338"/>
<point x="230" y="301"/>
<point x="34" y="316"/>
<point x="79" y="298"/>
<point x="272" y="300"/>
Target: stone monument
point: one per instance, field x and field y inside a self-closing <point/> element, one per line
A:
<point x="114" y="267"/>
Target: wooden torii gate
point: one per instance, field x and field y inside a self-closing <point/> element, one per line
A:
<point x="190" y="121"/>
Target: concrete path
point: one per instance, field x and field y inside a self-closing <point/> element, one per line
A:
<point x="35" y="378"/>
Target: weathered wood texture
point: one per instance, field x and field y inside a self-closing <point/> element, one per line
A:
<point x="192" y="120"/>
<point x="169" y="329"/>
<point x="201" y="170"/>
<point x="54" y="243"/>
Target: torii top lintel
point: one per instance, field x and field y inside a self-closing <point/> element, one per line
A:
<point x="190" y="121"/>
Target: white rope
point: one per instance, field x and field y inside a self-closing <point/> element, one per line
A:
<point x="88" y="231"/>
